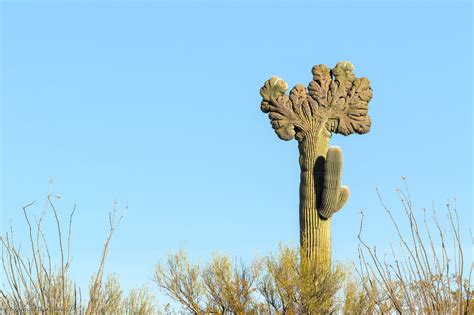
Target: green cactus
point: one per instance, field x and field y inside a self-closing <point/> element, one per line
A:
<point x="334" y="196"/>
<point x="334" y="102"/>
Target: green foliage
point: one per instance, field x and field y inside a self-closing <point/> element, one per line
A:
<point x="110" y="299"/>
<point x="221" y="286"/>
<point x="181" y="281"/>
<point x="284" y="282"/>
<point x="290" y="285"/>
<point x="230" y="287"/>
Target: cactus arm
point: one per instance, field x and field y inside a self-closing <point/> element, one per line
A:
<point x="332" y="182"/>
<point x="343" y="197"/>
<point x="334" y="196"/>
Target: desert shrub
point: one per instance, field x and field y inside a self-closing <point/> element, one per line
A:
<point x="274" y="284"/>
<point x="426" y="277"/>
<point x="289" y="285"/>
<point x="229" y="287"/>
<point x="35" y="283"/>
<point x="139" y="301"/>
<point x="110" y="299"/>
<point x="181" y="281"/>
<point x="222" y="286"/>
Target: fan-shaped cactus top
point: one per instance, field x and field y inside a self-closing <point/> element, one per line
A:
<point x="335" y="101"/>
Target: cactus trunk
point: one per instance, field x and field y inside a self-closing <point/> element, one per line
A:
<point x="315" y="232"/>
<point x="334" y="102"/>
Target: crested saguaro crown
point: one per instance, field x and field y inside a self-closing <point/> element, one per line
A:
<point x="334" y="102"/>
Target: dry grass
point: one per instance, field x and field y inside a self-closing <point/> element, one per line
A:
<point x="34" y="283"/>
<point x="427" y="277"/>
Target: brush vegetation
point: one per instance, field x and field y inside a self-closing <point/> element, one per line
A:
<point x="420" y="276"/>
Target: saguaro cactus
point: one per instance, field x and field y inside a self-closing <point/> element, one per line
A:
<point x="335" y="101"/>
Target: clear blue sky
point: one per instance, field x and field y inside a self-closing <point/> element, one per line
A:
<point x="157" y="105"/>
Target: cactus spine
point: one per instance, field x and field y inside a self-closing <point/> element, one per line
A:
<point x="335" y="101"/>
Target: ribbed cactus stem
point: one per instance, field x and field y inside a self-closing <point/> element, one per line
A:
<point x="315" y="232"/>
<point x="335" y="101"/>
<point x="333" y="195"/>
<point x="343" y="197"/>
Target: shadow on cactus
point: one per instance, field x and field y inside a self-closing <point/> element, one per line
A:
<point x="334" y="102"/>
